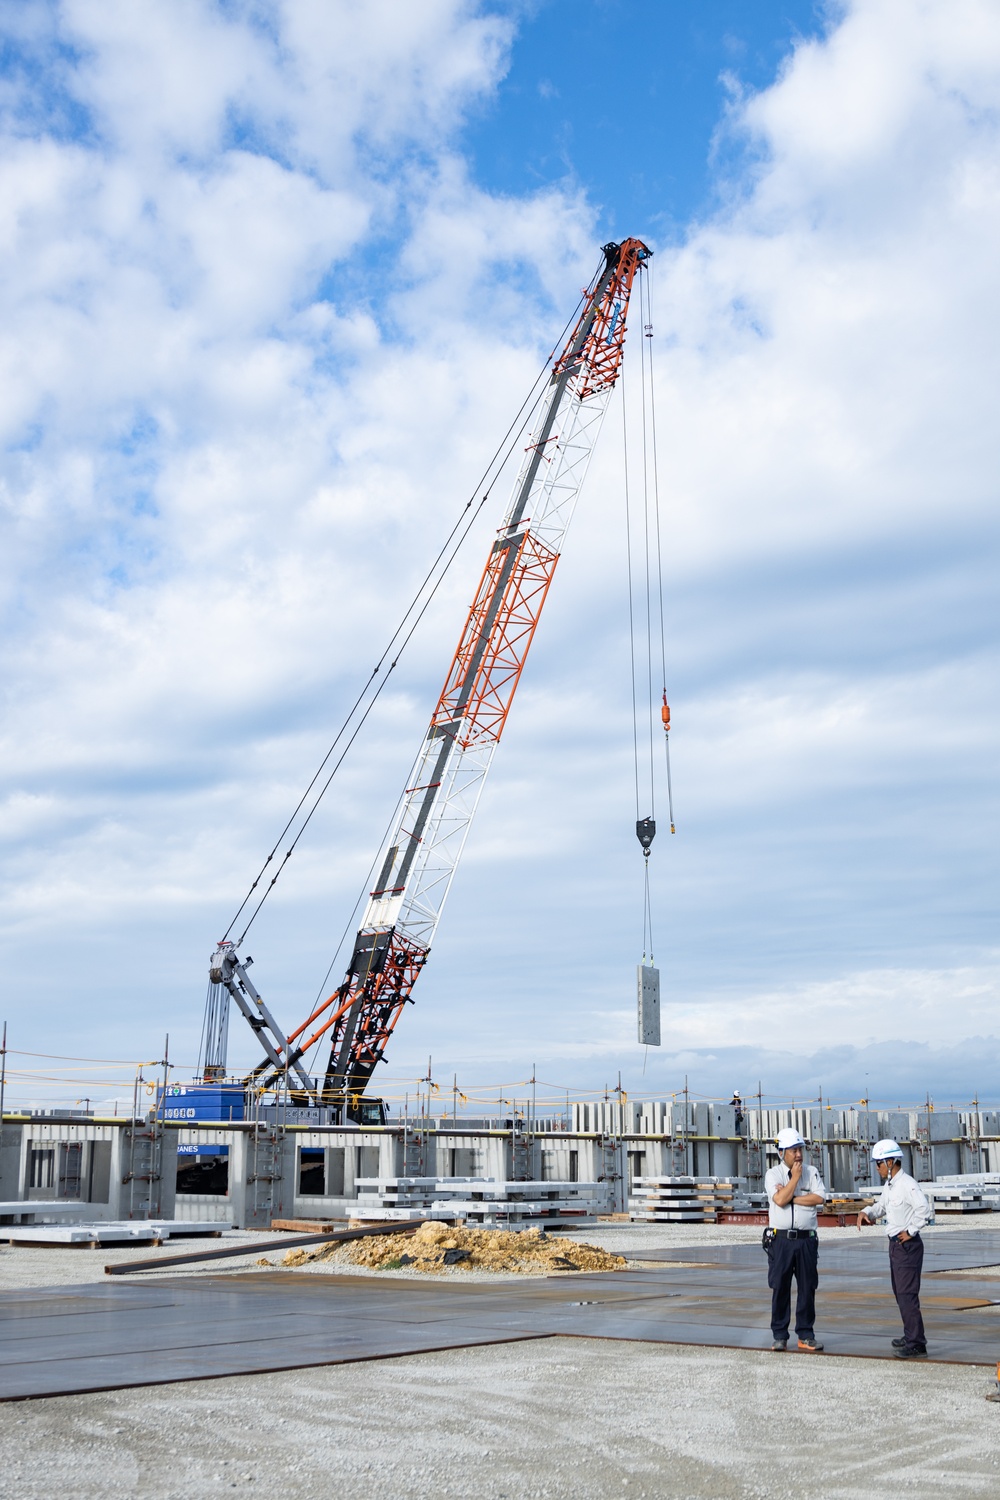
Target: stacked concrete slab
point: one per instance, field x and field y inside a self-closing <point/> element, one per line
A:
<point x="680" y="1200"/>
<point x="965" y="1193"/>
<point x="124" y="1232"/>
<point x="481" y="1201"/>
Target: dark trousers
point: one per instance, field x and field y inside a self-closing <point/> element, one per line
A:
<point x="906" y="1261"/>
<point x="798" y="1258"/>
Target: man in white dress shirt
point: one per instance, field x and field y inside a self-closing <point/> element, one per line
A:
<point x="905" y="1210"/>
<point x="794" y="1193"/>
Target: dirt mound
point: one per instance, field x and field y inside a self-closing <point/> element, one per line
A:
<point x="437" y="1247"/>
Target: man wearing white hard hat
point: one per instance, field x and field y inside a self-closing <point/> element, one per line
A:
<point x="794" y="1193"/>
<point x="905" y="1209"/>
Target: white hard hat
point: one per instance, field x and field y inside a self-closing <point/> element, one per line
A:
<point x="787" y="1139"/>
<point x="885" y="1150"/>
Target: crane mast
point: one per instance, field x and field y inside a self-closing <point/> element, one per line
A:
<point x="422" y="851"/>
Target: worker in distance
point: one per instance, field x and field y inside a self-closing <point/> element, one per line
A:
<point x="905" y="1209"/>
<point x="794" y="1194"/>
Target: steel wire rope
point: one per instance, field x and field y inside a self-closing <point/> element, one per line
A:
<point x="502" y="453"/>
<point x="647" y="910"/>
<point x="354" y="910"/>
<point x="367" y="880"/>
<point x="643" y="402"/>
<point x="125" y="1062"/>
<point x="647" y="933"/>
<point x="358" y="701"/>
<point x="631" y="642"/>
<point x="62" y="1079"/>
<point x="356" y="731"/>
<point x="648" y="331"/>
<point x="651" y="492"/>
<point x="631" y="610"/>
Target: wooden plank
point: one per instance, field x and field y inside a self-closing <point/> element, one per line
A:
<point x="308" y="1226"/>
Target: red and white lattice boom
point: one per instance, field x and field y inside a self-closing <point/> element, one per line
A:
<point x="429" y="833"/>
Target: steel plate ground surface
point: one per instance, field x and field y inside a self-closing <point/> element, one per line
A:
<point x="121" y="1334"/>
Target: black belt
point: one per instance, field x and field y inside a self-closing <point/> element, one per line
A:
<point x="796" y="1234"/>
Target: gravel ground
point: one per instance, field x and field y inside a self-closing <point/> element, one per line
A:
<point x="632" y="1238"/>
<point x="24" y="1266"/>
<point x="570" y="1419"/>
<point x="560" y="1418"/>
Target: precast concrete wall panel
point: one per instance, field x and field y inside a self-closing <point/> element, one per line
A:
<point x="10" y="1162"/>
<point x="204" y="1208"/>
<point x="944" y="1125"/>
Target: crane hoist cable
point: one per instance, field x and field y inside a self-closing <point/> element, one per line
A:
<point x="640" y="637"/>
<point x="652" y="617"/>
<point x="647" y="346"/>
<point x="631" y="600"/>
<point x="463" y="525"/>
<point x="645" y="827"/>
<point x="647" y="586"/>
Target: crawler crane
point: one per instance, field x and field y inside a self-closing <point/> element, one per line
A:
<point x="422" y="851"/>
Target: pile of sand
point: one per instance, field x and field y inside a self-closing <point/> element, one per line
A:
<point x="437" y="1247"/>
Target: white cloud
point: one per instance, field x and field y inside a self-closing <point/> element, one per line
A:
<point x="875" y="1007"/>
<point x="261" y="333"/>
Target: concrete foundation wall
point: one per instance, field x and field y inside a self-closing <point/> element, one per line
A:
<point x="114" y="1171"/>
<point x="120" y="1170"/>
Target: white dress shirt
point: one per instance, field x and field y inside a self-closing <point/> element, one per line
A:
<point x="795" y="1215"/>
<point x="902" y="1204"/>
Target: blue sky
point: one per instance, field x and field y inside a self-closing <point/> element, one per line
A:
<point x="274" y="280"/>
<point x="630" y="105"/>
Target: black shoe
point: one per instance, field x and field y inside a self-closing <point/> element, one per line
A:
<point x="779" y="1346"/>
<point x="899" y="1343"/>
<point x="912" y="1351"/>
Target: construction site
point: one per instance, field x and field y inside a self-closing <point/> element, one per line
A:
<point x="459" y="1305"/>
<point x="333" y="1319"/>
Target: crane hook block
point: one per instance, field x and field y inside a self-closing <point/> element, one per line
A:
<point x="665" y="715"/>
<point x="645" y="832"/>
